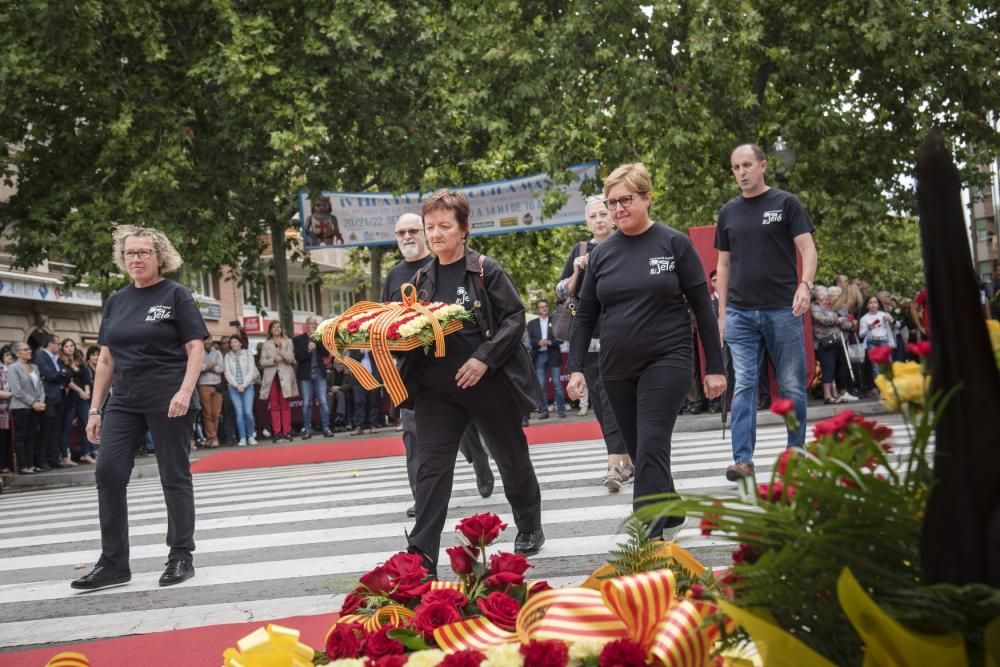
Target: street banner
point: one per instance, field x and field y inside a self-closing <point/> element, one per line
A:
<point x="345" y="219"/>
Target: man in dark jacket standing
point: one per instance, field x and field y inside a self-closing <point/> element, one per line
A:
<point x="311" y="373"/>
<point x="55" y="377"/>
<point x="547" y="357"/>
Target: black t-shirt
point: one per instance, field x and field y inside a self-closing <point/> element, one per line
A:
<point x="759" y="233"/>
<point x="146" y="329"/>
<point x="399" y="275"/>
<point x="638" y="284"/>
<point x="439" y="374"/>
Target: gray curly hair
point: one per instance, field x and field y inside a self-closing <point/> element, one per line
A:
<point x="168" y="257"/>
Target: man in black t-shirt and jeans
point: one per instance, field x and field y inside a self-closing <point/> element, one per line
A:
<point x="413" y="246"/>
<point x="761" y="296"/>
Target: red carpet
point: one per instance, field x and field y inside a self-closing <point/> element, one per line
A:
<point x="195" y="647"/>
<point x="367" y="448"/>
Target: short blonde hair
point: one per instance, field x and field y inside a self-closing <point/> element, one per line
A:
<point x="170" y="260"/>
<point x="634" y="175"/>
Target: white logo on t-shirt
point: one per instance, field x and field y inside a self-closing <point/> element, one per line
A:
<point x="157" y="313"/>
<point x="461" y="296"/>
<point x="659" y="265"/>
<point x="771" y="216"/>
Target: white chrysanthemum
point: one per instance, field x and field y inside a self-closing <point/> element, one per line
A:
<point x="585" y="648"/>
<point x="348" y="662"/>
<point x="504" y="655"/>
<point x="413" y="327"/>
<point x="427" y="658"/>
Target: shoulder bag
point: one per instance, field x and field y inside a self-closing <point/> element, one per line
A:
<point x="562" y="318"/>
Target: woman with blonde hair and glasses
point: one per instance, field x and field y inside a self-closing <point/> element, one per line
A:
<point x="639" y="284"/>
<point x="151" y="354"/>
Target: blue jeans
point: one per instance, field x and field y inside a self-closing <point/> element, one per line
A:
<point x="748" y="333"/>
<point x="76" y="407"/>
<point x="243" y="406"/>
<point x="543" y="370"/>
<point x="315" y="386"/>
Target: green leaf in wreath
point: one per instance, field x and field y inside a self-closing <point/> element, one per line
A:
<point x="411" y="639"/>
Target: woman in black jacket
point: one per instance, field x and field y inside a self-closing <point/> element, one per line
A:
<point x="639" y="284"/>
<point x="485" y="377"/>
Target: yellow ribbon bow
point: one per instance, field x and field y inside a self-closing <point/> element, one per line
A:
<point x="275" y="646"/>
<point x="68" y="659"/>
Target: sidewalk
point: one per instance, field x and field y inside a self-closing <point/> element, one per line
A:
<point x="388" y="442"/>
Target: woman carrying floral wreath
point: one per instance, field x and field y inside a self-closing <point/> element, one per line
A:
<point x="485" y="376"/>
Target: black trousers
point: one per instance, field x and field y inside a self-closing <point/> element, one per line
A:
<point x="25" y="422"/>
<point x="367" y="405"/>
<point x="471" y="447"/>
<point x="599" y="401"/>
<point x="50" y="431"/>
<point x="122" y="433"/>
<point x="442" y="418"/>
<point x="646" y="408"/>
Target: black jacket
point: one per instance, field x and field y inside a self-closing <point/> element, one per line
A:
<point x="55" y="376"/>
<point x="500" y="316"/>
<point x="303" y="367"/>
<point x="553" y="353"/>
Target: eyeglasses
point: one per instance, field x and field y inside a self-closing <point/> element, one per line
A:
<point x="625" y="201"/>
<point x="408" y="232"/>
<point x="145" y="253"/>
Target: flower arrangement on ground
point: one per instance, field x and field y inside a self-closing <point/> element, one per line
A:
<point x="827" y="567"/>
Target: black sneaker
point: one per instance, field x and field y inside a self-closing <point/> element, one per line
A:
<point x="411" y="511"/>
<point x="327" y="433"/>
<point x="101" y="577"/>
<point x="176" y="572"/>
<point x="485" y="482"/>
<point x="306" y="435"/>
<point x="529" y="542"/>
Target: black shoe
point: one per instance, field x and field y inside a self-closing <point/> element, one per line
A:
<point x="327" y="433"/>
<point x="306" y="435"/>
<point x="43" y="468"/>
<point x="544" y="415"/>
<point x="101" y="577"/>
<point x="485" y="482"/>
<point x="176" y="572"/>
<point x="411" y="511"/>
<point x="529" y="542"/>
<point x="562" y="415"/>
<point x="56" y="464"/>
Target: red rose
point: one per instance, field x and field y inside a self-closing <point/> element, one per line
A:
<point x="709" y="520"/>
<point x="404" y="565"/>
<point x="548" y="653"/>
<point x="782" y="406"/>
<point x="447" y="595"/>
<point x="377" y="581"/>
<point x="834" y="424"/>
<point x="462" y="558"/>
<point x="745" y="553"/>
<point x="481" y="529"/>
<point x="393" y="660"/>
<point x="881" y="355"/>
<point x="346" y="640"/>
<point x="500" y="608"/>
<point x="380" y="643"/>
<point x="696" y="592"/>
<point x="506" y="569"/>
<point x="920" y="349"/>
<point x="783" y="461"/>
<point x="354" y="601"/>
<point x="622" y="653"/>
<point x="538" y="587"/>
<point x="432" y="616"/>
<point x="470" y="658"/>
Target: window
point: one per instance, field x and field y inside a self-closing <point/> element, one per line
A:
<point x="303" y="296"/>
<point x="263" y="294"/>
<point x="341" y="299"/>
<point x="199" y="282"/>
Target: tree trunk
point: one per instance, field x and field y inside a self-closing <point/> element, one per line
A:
<point x="280" y="262"/>
<point x="375" y="281"/>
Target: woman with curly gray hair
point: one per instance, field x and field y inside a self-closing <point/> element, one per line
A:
<point x="151" y="356"/>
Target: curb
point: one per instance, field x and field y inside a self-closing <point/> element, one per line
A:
<point x="145" y="467"/>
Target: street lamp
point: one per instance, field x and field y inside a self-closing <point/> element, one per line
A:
<point x="783" y="156"/>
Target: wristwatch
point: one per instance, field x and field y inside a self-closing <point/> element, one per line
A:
<point x="807" y="283"/>
<point x="94" y="411"/>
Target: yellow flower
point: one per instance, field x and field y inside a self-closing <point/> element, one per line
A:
<point x="427" y="658"/>
<point x="908" y="385"/>
<point x="585" y="648"/>
<point x="503" y="655"/>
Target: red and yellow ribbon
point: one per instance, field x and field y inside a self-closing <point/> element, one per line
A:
<point x="642" y="608"/>
<point x="68" y="659"/>
<point x="393" y="615"/>
<point x="385" y="314"/>
<point x="275" y="646"/>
